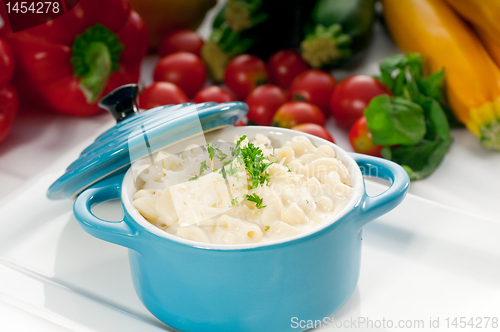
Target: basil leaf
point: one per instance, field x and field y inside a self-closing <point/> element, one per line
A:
<point x="437" y="123"/>
<point x="395" y="121"/>
<point x="433" y="85"/>
<point x="421" y="160"/>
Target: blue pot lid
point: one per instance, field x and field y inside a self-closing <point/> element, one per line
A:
<point x="138" y="133"/>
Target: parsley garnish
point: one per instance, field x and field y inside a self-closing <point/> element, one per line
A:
<point x="214" y="150"/>
<point x="234" y="201"/>
<point x="256" y="199"/>
<point x="255" y="164"/>
<point x="203" y="167"/>
<point x="267" y="228"/>
<point x="307" y="202"/>
<point x="289" y="170"/>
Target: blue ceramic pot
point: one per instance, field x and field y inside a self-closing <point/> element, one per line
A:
<point x="194" y="286"/>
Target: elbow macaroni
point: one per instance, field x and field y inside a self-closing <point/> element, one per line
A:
<point x="307" y="186"/>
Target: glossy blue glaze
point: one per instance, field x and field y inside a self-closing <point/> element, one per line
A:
<point x="109" y="154"/>
<point x="194" y="288"/>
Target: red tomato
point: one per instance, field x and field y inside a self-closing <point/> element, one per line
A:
<point x="9" y="103"/>
<point x="241" y="123"/>
<point x="213" y="93"/>
<point x="244" y="73"/>
<point x="361" y="139"/>
<point x="314" y="129"/>
<point x="6" y="62"/>
<point x="296" y="112"/>
<point x="181" y="41"/>
<point x="161" y="93"/>
<point x="314" y="86"/>
<point x="263" y="102"/>
<point x="284" y="66"/>
<point x="186" y="70"/>
<point x="352" y="96"/>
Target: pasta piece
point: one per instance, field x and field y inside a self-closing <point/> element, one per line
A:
<point x="246" y="231"/>
<point x="326" y="204"/>
<point x="166" y="209"/>
<point x="192" y="233"/>
<point x="146" y="207"/>
<point x="301" y="145"/>
<point x="143" y="193"/>
<point x="293" y="214"/>
<point x="280" y="229"/>
<point x="321" y="167"/>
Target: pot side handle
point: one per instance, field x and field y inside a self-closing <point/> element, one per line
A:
<point x="373" y="207"/>
<point x="117" y="232"/>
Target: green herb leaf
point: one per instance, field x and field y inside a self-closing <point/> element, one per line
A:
<point x="421" y="160"/>
<point x="419" y="147"/>
<point x="255" y="199"/>
<point x="256" y="164"/>
<point x="203" y="167"/>
<point x="234" y="201"/>
<point x="395" y="121"/>
<point x="267" y="228"/>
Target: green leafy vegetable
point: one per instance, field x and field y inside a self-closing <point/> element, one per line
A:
<point x="234" y="201"/>
<point x="395" y="121"/>
<point x="267" y="228"/>
<point x="413" y="125"/>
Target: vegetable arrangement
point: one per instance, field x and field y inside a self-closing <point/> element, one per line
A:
<point x="412" y="125"/>
<point x="399" y="115"/>
<point x="274" y="55"/>
<point x="433" y="29"/>
<point x="67" y="64"/>
<point x="329" y="33"/>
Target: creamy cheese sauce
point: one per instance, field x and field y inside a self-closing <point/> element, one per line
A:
<point x="189" y="196"/>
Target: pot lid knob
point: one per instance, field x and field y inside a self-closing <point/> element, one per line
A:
<point x="121" y="102"/>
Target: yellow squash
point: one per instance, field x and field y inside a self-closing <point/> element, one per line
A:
<point x="491" y="43"/>
<point x="433" y="29"/>
<point x="484" y="15"/>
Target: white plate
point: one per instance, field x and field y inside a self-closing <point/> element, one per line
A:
<point x="422" y="260"/>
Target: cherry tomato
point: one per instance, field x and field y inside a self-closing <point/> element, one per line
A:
<point x="9" y="103"/>
<point x="6" y="62"/>
<point x="213" y="93"/>
<point x="244" y="73"/>
<point x="186" y="70"/>
<point x="314" y="86"/>
<point x="263" y="102"/>
<point x="352" y="96"/>
<point x="284" y="66"/>
<point x="314" y="129"/>
<point x="181" y="41"/>
<point x="161" y="93"/>
<point x="241" y="123"/>
<point x="361" y="139"/>
<point x="293" y="113"/>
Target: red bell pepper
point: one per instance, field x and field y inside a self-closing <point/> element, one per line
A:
<point x="67" y="64"/>
<point x="9" y="100"/>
